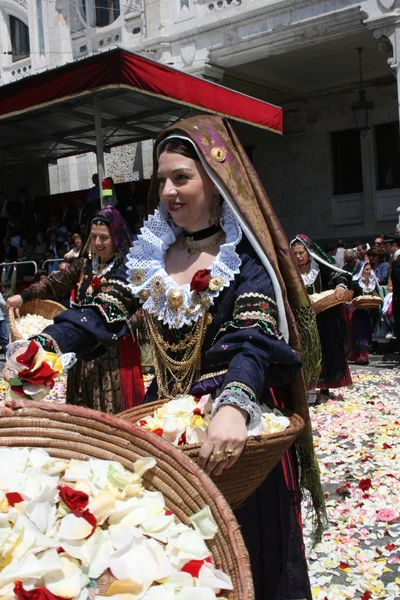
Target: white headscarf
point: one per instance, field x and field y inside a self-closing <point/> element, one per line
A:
<point x="372" y="280"/>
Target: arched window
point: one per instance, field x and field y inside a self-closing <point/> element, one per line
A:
<point x="19" y="33"/>
<point x="104" y="12"/>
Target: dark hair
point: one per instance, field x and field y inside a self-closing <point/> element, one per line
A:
<point x="180" y="147"/>
<point x="99" y="220"/>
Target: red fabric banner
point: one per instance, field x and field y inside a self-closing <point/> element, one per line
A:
<point x="132" y="71"/>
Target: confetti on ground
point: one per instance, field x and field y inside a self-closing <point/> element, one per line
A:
<point x="357" y="440"/>
<point x="56" y="395"/>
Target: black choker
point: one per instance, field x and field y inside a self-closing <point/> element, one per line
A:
<point x="204" y="233"/>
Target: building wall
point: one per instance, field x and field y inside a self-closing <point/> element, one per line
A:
<point x="296" y="171"/>
<point x="210" y="37"/>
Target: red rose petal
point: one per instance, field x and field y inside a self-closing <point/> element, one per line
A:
<point x="39" y="593"/>
<point x="158" y="431"/>
<point x="193" y="566"/>
<point x="14" y="498"/>
<point x="75" y="500"/>
<point x="91" y="519"/>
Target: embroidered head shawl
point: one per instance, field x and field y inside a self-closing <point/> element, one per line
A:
<point x="228" y="165"/>
<point x="119" y="229"/>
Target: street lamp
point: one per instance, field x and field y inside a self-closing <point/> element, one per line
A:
<point x="362" y="109"/>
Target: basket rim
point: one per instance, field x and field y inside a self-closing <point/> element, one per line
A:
<point x="46" y="409"/>
<point x="296" y="425"/>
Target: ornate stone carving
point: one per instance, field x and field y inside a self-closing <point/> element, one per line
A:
<point x="23" y="3"/>
<point x="188" y="53"/>
<point x="389" y="38"/>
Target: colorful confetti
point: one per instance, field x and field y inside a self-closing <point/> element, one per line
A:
<point x="357" y="440"/>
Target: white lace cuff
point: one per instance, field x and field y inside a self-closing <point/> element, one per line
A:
<point x="68" y="360"/>
<point x="239" y="398"/>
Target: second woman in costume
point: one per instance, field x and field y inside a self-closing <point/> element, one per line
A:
<point x="319" y="275"/>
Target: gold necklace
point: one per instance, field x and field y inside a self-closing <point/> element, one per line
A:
<point x="181" y="369"/>
<point x="188" y="242"/>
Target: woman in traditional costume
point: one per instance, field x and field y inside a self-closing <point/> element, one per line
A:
<point x="208" y="271"/>
<point x="319" y="275"/>
<point x="108" y="378"/>
<point x="364" y="283"/>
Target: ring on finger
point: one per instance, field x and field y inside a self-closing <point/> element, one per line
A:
<point x="230" y="453"/>
<point x="218" y="456"/>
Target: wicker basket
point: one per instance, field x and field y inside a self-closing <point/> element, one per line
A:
<point x="45" y="308"/>
<point x="81" y="433"/>
<point x="367" y="302"/>
<point x="330" y="300"/>
<point x="258" y="459"/>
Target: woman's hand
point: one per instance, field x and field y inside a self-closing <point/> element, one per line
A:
<point x="224" y="439"/>
<point x="9" y="372"/>
<point x="15" y="302"/>
<point x="339" y="293"/>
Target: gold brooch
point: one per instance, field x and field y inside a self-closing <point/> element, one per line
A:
<point x="144" y="295"/>
<point x="218" y="153"/>
<point x="175" y="298"/>
<point x="157" y="287"/>
<point x="138" y="276"/>
<point x="216" y="283"/>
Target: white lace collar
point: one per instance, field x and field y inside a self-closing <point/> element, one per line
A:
<point x="149" y="281"/>
<point x="309" y="278"/>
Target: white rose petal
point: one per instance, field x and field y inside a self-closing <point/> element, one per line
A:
<point x="214" y="578"/>
<point x="74" y="528"/>
<point x="41" y="510"/>
<point x="66" y="584"/>
<point x="204" y="523"/>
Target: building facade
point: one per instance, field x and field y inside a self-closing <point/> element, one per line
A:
<point x="325" y="177"/>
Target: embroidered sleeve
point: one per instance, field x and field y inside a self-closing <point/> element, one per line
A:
<point x="254" y="310"/>
<point x="113" y="300"/>
<point x="238" y="394"/>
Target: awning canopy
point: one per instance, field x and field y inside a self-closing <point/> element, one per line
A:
<point x="49" y="115"/>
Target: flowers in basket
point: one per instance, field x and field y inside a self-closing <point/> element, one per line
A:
<point x="31" y="325"/>
<point x="185" y="419"/>
<point x="87" y="530"/>
<point x="35" y="373"/>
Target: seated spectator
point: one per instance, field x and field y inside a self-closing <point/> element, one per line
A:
<point x="61" y="250"/>
<point x="53" y="265"/>
<point x="54" y="224"/>
<point x="9" y="252"/>
<point x="15" y="239"/>
<point x="362" y="251"/>
<point x="52" y="242"/>
<point x="339" y="256"/>
<point x="25" y="271"/>
<point x="27" y="247"/>
<point x="83" y="230"/>
<point x="350" y="261"/>
<point x="67" y="216"/>
<point x="40" y="248"/>
<point x="77" y="247"/>
<point x="331" y="250"/>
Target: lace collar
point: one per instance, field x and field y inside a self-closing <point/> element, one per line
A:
<point x="309" y="278"/>
<point x="175" y="305"/>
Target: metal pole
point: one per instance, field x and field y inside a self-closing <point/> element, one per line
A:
<point x="99" y="146"/>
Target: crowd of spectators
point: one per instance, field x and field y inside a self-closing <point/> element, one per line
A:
<point x="377" y="252"/>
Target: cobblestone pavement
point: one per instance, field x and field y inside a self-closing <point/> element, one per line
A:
<point x="357" y="439"/>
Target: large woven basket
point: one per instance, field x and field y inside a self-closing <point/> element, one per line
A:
<point x="330" y="300"/>
<point x="81" y="433"/>
<point x="259" y="457"/>
<point x="45" y="308"/>
<point x="366" y="302"/>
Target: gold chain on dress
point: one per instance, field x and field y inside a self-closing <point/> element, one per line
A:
<point x="181" y="371"/>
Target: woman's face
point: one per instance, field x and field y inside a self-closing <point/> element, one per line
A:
<point x="186" y="191"/>
<point x="78" y="242"/>
<point x="366" y="271"/>
<point x="39" y="238"/>
<point x="102" y="242"/>
<point x="300" y="254"/>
